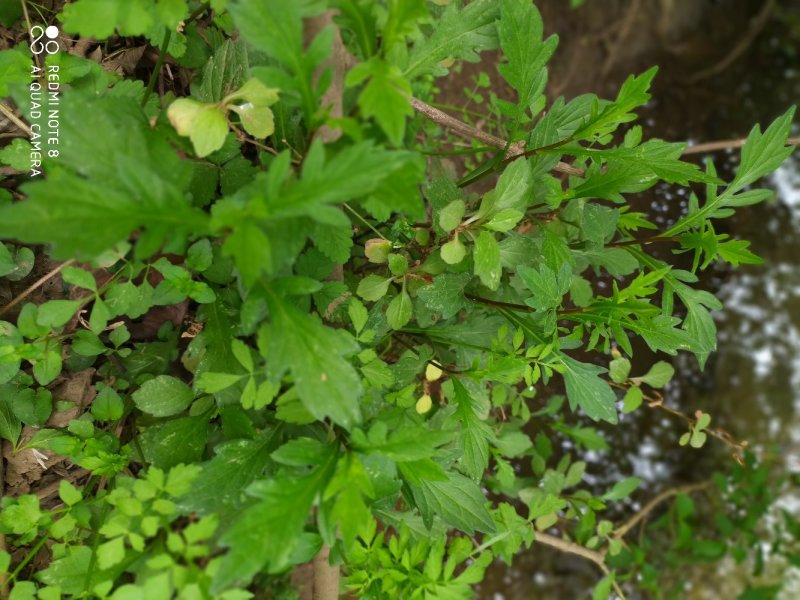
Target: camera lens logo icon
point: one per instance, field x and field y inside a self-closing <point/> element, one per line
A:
<point x="39" y="45"/>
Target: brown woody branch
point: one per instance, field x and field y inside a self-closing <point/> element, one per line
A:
<point x="623" y="529"/>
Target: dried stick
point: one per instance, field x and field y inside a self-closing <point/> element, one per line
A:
<point x="727" y="145"/>
<point x="9" y="114"/>
<point x="467" y="131"/>
<point x="35" y="285"/>
<point x="756" y="25"/>
<point x="563" y="545"/>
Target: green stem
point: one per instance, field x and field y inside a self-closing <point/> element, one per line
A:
<point x="157" y="69"/>
<point x="363" y="220"/>
<point x="28" y="558"/>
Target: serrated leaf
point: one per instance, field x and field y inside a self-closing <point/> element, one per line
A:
<point x="446" y="294"/>
<point x="585" y="389"/>
<point x="224" y="478"/>
<point x="264" y="535"/>
<point x="385" y="97"/>
<point x="459" y="34"/>
<point x="135" y="180"/>
<point x="458" y="501"/>
<point x="326" y="383"/>
<point x="520" y="31"/>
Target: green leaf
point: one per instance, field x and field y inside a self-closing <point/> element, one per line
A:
<point x="399" y="311"/>
<point x="68" y="493"/>
<point x="632" y="94"/>
<point x="174" y="442"/>
<point x="224" y="478"/>
<point x="385" y="97"/>
<point x="107" y="405"/>
<point x="99" y="19"/>
<point x="453" y="252"/>
<point x="10" y="425"/>
<point x="458" y="501"/>
<point x="619" y="369"/>
<point x="504" y="220"/>
<point x="451" y="215"/>
<point x="520" y="31"/>
<point x="763" y="153"/>
<point x="33" y="406"/>
<point x="264" y="535"/>
<point x="622" y="489"/>
<point x="632" y="400"/>
<point x="446" y="294"/>
<point x="326" y="383"/>
<point x="548" y="287"/>
<point x="587" y="390"/>
<point x="459" y="34"/>
<point x="79" y="278"/>
<point x="373" y="287"/>
<point x="135" y="180"/>
<point x="204" y="124"/>
<point x="487" y="260"/>
<point x="214" y="382"/>
<point x="658" y="375"/>
<point x="410" y="443"/>
<point x="17" y="154"/>
<point x="474" y="435"/>
<point x="163" y="396"/>
<point x="56" y="313"/>
<point x="513" y="188"/>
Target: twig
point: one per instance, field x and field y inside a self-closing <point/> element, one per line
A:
<point x="627" y="25"/>
<point x="36" y="284"/>
<point x="727" y="145"/>
<point x="162" y="52"/>
<point x="594" y="556"/>
<point x="8" y="113"/>
<point x="514" y="150"/>
<point x="620" y="531"/>
<point x="756" y="25"/>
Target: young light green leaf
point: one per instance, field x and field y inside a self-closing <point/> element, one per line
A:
<point x="454" y="251"/>
<point x="632" y="400"/>
<point x="385" y="97"/>
<point x="658" y="376"/>
<point x="450" y="216"/>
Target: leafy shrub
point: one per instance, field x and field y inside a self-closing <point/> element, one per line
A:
<point x="371" y="347"/>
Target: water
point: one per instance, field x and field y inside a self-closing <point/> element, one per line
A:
<point x="751" y="385"/>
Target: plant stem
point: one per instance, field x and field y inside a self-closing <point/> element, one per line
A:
<point x="28" y="558"/>
<point x="157" y="69"/>
<point x="363" y="220"/>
